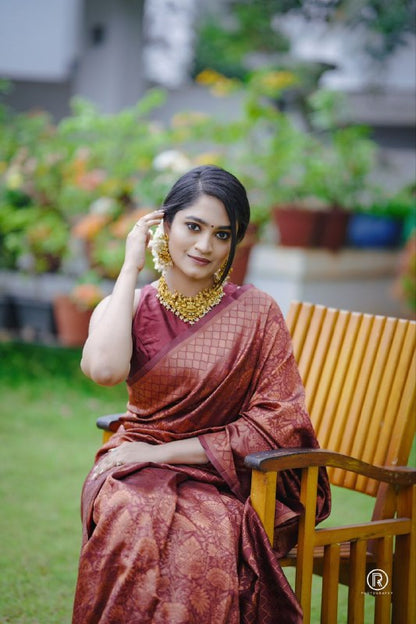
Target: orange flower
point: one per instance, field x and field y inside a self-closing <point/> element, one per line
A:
<point x="90" y="225"/>
<point x="90" y="180"/>
<point x="86" y="296"/>
<point x="123" y="225"/>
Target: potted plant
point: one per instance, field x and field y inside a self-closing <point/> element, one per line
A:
<point x="336" y="170"/>
<point x="383" y="222"/>
<point x="305" y="181"/>
<point x="72" y="312"/>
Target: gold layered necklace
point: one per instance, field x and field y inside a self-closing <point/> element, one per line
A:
<point x="189" y="309"/>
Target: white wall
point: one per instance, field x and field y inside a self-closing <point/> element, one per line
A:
<point x="335" y="43"/>
<point x="38" y="38"/>
<point x="109" y="72"/>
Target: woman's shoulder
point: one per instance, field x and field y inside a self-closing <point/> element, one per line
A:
<point x="143" y="294"/>
<point x="249" y="294"/>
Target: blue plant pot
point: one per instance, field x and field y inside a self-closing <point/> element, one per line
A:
<point x="374" y="231"/>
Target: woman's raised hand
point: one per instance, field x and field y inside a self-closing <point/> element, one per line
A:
<point x="138" y="239"/>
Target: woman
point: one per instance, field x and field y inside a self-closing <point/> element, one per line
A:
<point x="169" y="534"/>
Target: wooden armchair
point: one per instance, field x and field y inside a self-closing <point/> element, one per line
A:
<point x="359" y="374"/>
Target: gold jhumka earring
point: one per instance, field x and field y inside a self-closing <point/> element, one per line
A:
<point x="219" y="273"/>
<point x="160" y="249"/>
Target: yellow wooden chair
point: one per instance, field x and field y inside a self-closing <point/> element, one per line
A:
<point x="359" y="374"/>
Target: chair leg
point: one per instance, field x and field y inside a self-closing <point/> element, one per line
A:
<point x="304" y="565"/>
<point x="329" y="600"/>
<point x="404" y="565"/>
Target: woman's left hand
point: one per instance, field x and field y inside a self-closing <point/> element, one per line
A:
<point x="126" y="453"/>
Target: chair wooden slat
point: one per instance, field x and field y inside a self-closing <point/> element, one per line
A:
<point x="326" y="354"/>
<point x="342" y="388"/>
<point x="400" y="417"/>
<point x="377" y="439"/>
<point x="382" y="614"/>
<point x="404" y="579"/>
<point x="353" y="392"/>
<point x="362" y="442"/>
<point x="330" y="576"/>
<point x="356" y="589"/>
<point x="309" y="483"/>
<point x="305" y="350"/>
<point x="298" y="321"/>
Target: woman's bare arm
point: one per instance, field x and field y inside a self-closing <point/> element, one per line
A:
<point x="107" y="352"/>
<point x="189" y="451"/>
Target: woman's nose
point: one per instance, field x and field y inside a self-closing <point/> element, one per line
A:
<point x="204" y="242"/>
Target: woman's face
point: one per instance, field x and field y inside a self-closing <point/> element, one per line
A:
<point x="199" y="241"/>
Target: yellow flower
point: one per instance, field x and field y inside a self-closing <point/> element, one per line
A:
<point x="14" y="178"/>
<point x="220" y="84"/>
<point x="208" y="77"/>
<point x="208" y="158"/>
<point x="188" y="118"/>
<point x="274" y="81"/>
<point x="225" y="86"/>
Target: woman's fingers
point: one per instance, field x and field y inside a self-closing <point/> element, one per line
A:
<point x="139" y="236"/>
<point x="125" y="453"/>
<point x="153" y="218"/>
<point x="107" y="462"/>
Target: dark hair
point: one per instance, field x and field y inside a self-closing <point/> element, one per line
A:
<point x="214" y="181"/>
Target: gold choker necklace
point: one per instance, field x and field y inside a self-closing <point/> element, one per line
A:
<point x="189" y="309"/>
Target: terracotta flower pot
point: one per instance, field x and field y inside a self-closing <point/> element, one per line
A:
<point x="71" y="322"/>
<point x="333" y="229"/>
<point x="242" y="255"/>
<point x="297" y="227"/>
<point x="300" y="227"/>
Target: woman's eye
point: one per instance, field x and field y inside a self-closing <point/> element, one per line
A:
<point x="194" y="227"/>
<point x="223" y="235"/>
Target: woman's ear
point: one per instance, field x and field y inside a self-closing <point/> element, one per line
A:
<point x="166" y="227"/>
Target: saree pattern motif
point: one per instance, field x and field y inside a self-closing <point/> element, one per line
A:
<point x="180" y="543"/>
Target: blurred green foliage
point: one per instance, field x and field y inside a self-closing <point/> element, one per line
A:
<point x="244" y="26"/>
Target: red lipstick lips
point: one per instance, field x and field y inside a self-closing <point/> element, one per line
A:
<point x="203" y="261"/>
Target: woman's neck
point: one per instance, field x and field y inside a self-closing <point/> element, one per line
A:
<point x="185" y="285"/>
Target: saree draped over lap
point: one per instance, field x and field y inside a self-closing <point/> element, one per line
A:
<point x="178" y="544"/>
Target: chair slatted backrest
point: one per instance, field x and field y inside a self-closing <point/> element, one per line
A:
<point x="359" y="373"/>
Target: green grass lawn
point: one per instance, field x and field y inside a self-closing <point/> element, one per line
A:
<point x="48" y="440"/>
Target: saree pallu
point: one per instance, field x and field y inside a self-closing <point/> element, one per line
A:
<point x="178" y="544"/>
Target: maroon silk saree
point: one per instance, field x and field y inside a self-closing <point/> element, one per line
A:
<point x="178" y="544"/>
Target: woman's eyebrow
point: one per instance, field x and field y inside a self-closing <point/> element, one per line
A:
<point x="202" y="222"/>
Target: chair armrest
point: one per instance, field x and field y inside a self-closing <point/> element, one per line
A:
<point x="285" y="459"/>
<point x="109" y="422"/>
